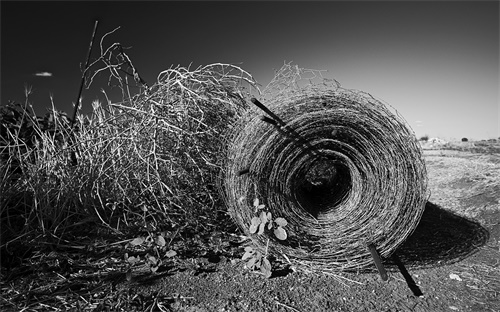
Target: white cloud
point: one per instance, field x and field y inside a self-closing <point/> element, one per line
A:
<point x="43" y="74"/>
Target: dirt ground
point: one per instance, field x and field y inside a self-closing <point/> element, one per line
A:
<point x="453" y="259"/>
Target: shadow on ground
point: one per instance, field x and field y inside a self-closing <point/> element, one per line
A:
<point x="441" y="237"/>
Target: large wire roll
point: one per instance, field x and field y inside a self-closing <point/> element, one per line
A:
<point x="339" y="166"/>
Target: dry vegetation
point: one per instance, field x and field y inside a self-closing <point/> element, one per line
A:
<point x="148" y="161"/>
<point x="119" y="189"/>
<point x="127" y="195"/>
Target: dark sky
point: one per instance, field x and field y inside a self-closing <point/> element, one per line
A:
<point x="436" y="62"/>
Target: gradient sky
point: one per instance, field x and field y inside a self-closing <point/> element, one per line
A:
<point x="436" y="62"/>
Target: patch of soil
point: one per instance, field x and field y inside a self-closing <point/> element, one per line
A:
<point x="453" y="260"/>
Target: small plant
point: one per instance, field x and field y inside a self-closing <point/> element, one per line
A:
<point x="465" y="140"/>
<point x="265" y="219"/>
<point x="257" y="260"/>
<point x="259" y="223"/>
<point x="158" y="245"/>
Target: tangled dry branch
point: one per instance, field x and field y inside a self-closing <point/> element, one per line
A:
<point x="165" y="146"/>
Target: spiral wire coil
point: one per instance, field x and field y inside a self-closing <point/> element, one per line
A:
<point x="342" y="169"/>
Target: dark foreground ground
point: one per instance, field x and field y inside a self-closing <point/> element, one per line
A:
<point x="453" y="258"/>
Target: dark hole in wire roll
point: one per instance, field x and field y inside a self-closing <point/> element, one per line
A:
<point x="324" y="185"/>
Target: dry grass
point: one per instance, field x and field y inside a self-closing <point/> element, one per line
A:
<point x="152" y="158"/>
<point x="146" y="165"/>
<point x="143" y="167"/>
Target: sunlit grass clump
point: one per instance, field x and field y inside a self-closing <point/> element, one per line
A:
<point x="149" y="162"/>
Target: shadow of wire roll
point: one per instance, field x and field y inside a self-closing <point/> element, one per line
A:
<point x="442" y="237"/>
<point x="360" y="179"/>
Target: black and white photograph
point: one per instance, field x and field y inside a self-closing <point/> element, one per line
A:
<point x="286" y="156"/>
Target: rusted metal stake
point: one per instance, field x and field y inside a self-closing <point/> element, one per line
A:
<point x="243" y="171"/>
<point x="281" y="125"/>
<point x="378" y="261"/>
<point x="409" y="280"/>
<point x="269" y="121"/>
<point x="267" y="111"/>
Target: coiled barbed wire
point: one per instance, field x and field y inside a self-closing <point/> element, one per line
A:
<point x="343" y="170"/>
